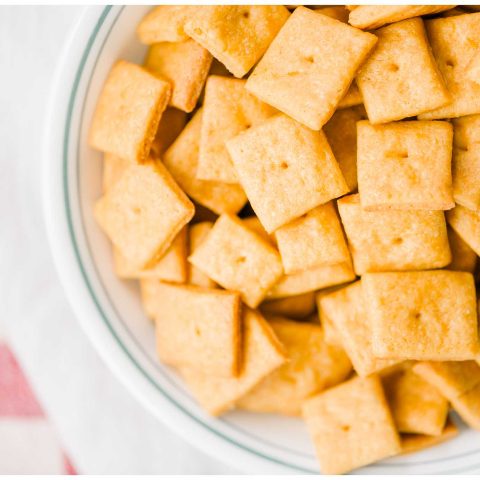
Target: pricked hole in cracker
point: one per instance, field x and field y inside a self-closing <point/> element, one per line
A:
<point x="417" y="315"/>
<point x="346" y="428"/>
<point x="397" y="241"/>
<point x="241" y="259"/>
<point x="198" y="31"/>
<point x="310" y="59"/>
<point x="397" y="154"/>
<point x="450" y="63"/>
<point x="197" y="331"/>
<point x="136" y="210"/>
<point x="246" y="14"/>
<point x="393" y="67"/>
<point x="284" y="165"/>
<point x="462" y="148"/>
<point x="293" y="74"/>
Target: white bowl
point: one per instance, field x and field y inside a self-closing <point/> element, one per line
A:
<point x="109" y="310"/>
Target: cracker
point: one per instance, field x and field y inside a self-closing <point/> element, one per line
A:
<point x="338" y="12"/>
<point x="171" y="124"/>
<point x="382" y="242"/>
<point x="400" y="78"/>
<point x="466" y="161"/>
<point x="452" y="379"/>
<point x="428" y="315"/>
<point x="331" y="335"/>
<point x="351" y="425"/>
<point x="197" y="234"/>
<point x="313" y="240"/>
<point x="346" y="311"/>
<point x="128" y="112"/>
<point x="312" y="367"/>
<point x="341" y="133"/>
<point x="311" y="280"/>
<point x="309" y="66"/>
<point x="413" y="443"/>
<point x="181" y="159"/>
<point x="237" y="35"/>
<point x="238" y="259"/>
<point x="228" y="109"/>
<point x="172" y="266"/>
<point x="113" y="169"/>
<point x="467" y="406"/>
<point x="253" y="223"/>
<point x="374" y="16"/>
<point x="464" y="259"/>
<point x="285" y="169"/>
<point x="466" y="223"/>
<point x="165" y="24"/>
<point x="405" y="165"/>
<point x="352" y="98"/>
<point x="185" y="66"/>
<point x="143" y="212"/>
<point x="297" y="307"/>
<point x="473" y="67"/>
<point x="149" y="297"/>
<point x="199" y="328"/>
<point x="262" y="354"/>
<point x="417" y="406"/>
<point x="454" y="40"/>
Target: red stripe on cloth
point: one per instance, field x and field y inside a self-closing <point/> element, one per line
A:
<point x="16" y="396"/>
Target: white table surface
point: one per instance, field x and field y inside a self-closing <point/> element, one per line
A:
<point x="102" y="428"/>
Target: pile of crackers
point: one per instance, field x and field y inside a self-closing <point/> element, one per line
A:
<point x="298" y="192"/>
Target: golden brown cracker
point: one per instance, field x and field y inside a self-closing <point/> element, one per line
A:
<point x="197" y="234"/>
<point x="464" y="259"/>
<point x="466" y="223"/>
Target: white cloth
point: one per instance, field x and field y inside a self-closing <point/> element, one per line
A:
<point x="103" y="429"/>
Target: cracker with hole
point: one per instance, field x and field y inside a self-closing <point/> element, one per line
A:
<point x="466" y="161"/>
<point x="172" y="266"/>
<point x="196" y="235"/>
<point x="454" y="41"/>
<point x="165" y="23"/>
<point x="309" y="66"/>
<point x="185" y="66"/>
<point x="382" y="242"/>
<point x="128" y="112"/>
<point x="285" y="169"/>
<point x="341" y="133"/>
<point x="199" y="328"/>
<point x="238" y="259"/>
<point x="369" y="17"/>
<point x="172" y="123"/>
<point x="262" y="353"/>
<point x="466" y="223"/>
<point x="228" y="109"/>
<point x="351" y="425"/>
<point x="297" y="307"/>
<point x="236" y="35"/>
<point x="181" y="160"/>
<point x="464" y="259"/>
<point x="405" y="165"/>
<point x="312" y="240"/>
<point x="346" y="311"/>
<point x="143" y="212"/>
<point x="426" y="315"/>
<point x="400" y="78"/>
<point x="113" y="169"/>
<point x="312" y="367"/>
<point x="416" y="405"/>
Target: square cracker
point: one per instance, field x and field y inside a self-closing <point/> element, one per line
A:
<point x="464" y="259"/>
<point x="428" y="315"/>
<point x="466" y="223"/>
<point x="228" y="109"/>
<point x="172" y="266"/>
<point x="454" y="40"/>
<point x="405" y="165"/>
<point x="199" y="328"/>
<point x="309" y="66"/>
<point x="417" y="406"/>
<point x="466" y="161"/>
<point x="171" y="124"/>
<point x="451" y="379"/>
<point x="351" y="425"/>
<point x="196" y="235"/>
<point x="262" y="353"/>
<point x="185" y="66"/>
<point x="341" y="133"/>
<point x="311" y="280"/>
<point x="313" y="240"/>
<point x="297" y="306"/>
<point x="285" y="169"/>
<point x="237" y="35"/>
<point x="113" y="169"/>
<point x="400" y="78"/>
<point x="312" y="367"/>
<point x="382" y="242"/>
<point x="413" y="443"/>
<point x="181" y="159"/>
<point x="165" y="24"/>
<point x="374" y="16"/>
<point x="238" y="259"/>
<point x="143" y="212"/>
<point x="346" y="311"/>
<point x="128" y="112"/>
